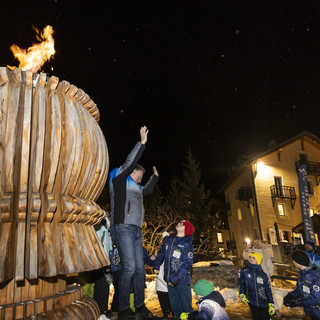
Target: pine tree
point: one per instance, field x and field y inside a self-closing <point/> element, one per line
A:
<point x="190" y="199"/>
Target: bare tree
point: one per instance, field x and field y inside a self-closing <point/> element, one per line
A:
<point x="155" y="224"/>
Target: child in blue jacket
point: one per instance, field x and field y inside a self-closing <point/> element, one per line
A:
<point x="177" y="253"/>
<point x="255" y="288"/>
<point x="307" y="293"/>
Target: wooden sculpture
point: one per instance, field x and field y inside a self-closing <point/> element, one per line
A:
<point x="54" y="164"/>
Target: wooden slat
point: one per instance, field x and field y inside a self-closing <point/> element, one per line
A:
<point x="18" y="206"/>
<point x="6" y="252"/>
<point x="25" y="286"/>
<point x="101" y="165"/>
<point x="82" y="245"/>
<point x="29" y="309"/>
<point x="4" y="94"/>
<point x="33" y="207"/>
<point x="96" y="160"/>
<point x="93" y="255"/>
<point x="10" y="292"/>
<point x="74" y="248"/>
<point x="66" y="262"/>
<point x="9" y="312"/>
<point x="5" y="225"/>
<point x="46" y="126"/>
<point x="38" y="306"/>
<point x="18" y="291"/>
<point x="51" y="162"/>
<point x="19" y="311"/>
<point x="88" y="154"/>
<point x="9" y="215"/>
<point x="68" y="149"/>
<point x="53" y="132"/>
<point x="79" y="141"/>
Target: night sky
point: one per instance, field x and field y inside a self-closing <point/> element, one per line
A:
<point x="223" y="77"/>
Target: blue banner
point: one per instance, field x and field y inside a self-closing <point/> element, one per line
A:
<point x="304" y="203"/>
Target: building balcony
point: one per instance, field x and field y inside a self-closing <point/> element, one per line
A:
<point x="313" y="168"/>
<point x="245" y="195"/>
<point x="283" y="192"/>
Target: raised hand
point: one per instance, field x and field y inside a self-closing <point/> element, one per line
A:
<point x="155" y="171"/>
<point x="144" y="134"/>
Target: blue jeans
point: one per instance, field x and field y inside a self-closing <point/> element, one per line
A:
<point x="180" y="299"/>
<point x="128" y="239"/>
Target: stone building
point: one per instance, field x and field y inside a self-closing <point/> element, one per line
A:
<point x="263" y="195"/>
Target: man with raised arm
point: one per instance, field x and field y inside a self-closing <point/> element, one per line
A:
<point x="127" y="215"/>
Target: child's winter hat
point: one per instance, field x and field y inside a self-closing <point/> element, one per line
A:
<point x="203" y="287"/>
<point x="312" y="244"/>
<point x="258" y="256"/>
<point x="189" y="228"/>
<point x="301" y="258"/>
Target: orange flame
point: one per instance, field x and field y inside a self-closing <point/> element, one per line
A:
<point x="34" y="57"/>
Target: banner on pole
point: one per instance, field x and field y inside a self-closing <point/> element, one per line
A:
<point x="304" y="203"/>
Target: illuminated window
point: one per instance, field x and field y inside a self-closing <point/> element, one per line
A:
<point x="311" y="213"/>
<point x="317" y="239"/>
<point x="239" y="214"/>
<point x="281" y="210"/>
<point x="251" y="210"/>
<point x="219" y="237"/>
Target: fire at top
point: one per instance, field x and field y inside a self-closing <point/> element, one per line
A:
<point x="34" y="57"/>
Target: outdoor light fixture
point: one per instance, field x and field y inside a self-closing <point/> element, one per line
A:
<point x="263" y="169"/>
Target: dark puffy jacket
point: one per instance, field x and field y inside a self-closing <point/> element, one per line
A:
<point x="307" y="293"/>
<point x="177" y="254"/>
<point x="254" y="283"/>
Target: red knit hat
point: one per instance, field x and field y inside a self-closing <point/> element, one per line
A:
<point x="188" y="227"/>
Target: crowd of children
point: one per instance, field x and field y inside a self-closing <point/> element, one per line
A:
<point x="173" y="265"/>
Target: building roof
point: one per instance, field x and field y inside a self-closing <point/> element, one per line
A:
<point x="304" y="135"/>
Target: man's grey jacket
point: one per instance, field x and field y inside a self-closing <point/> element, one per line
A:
<point x="126" y="196"/>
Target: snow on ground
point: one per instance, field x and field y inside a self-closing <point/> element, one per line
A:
<point x="207" y="263"/>
<point x="235" y="308"/>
